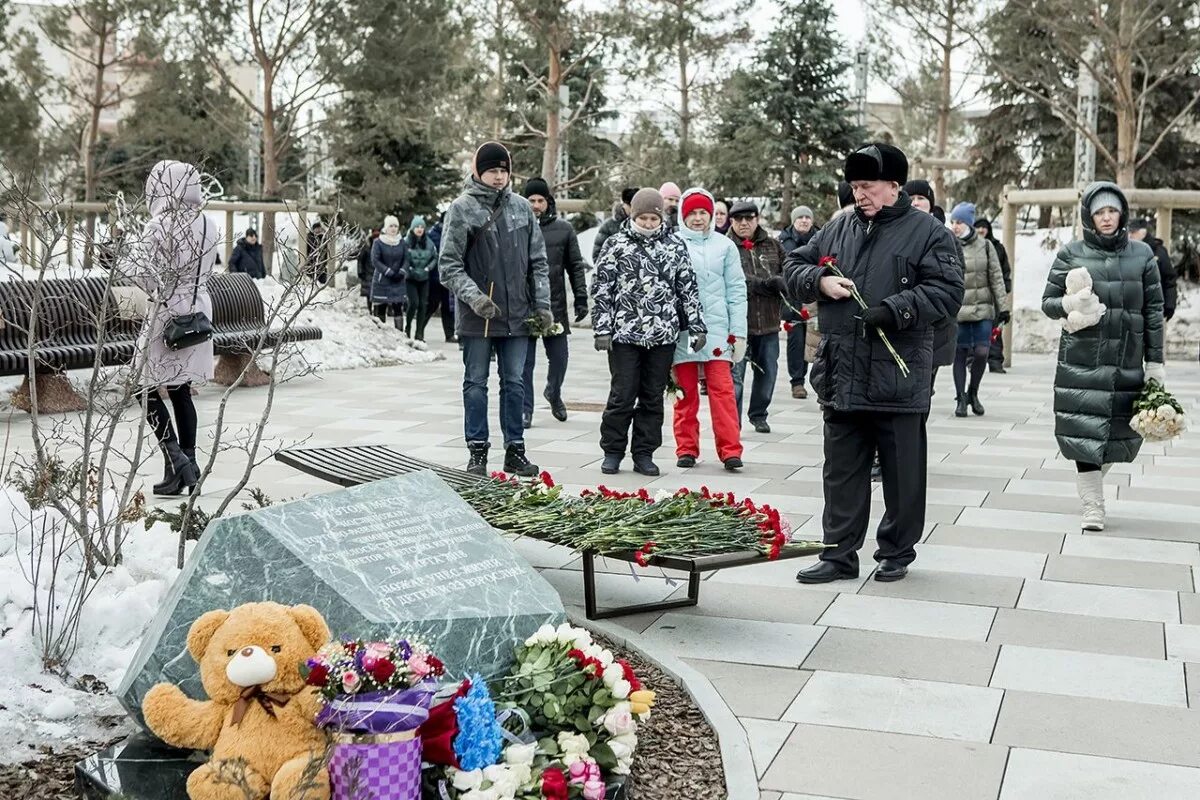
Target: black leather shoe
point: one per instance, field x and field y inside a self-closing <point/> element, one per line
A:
<point x="527" y="420"/>
<point x="558" y="409"/>
<point x="889" y="570"/>
<point x="825" y="572"/>
<point x="998" y="370"/>
<point x="611" y="465"/>
<point x="686" y="462"/>
<point x="643" y="465"/>
<point x="762" y="427"/>
<point x="960" y="408"/>
<point x="733" y="464"/>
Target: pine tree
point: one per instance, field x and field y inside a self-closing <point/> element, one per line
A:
<point x="796" y="86"/>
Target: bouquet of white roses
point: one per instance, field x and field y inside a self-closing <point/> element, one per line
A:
<point x="1157" y="415"/>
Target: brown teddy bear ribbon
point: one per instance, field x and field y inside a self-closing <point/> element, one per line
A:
<point x="265" y="699"/>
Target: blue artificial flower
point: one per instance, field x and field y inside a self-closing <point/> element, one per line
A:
<point x="479" y="740"/>
<point x="405" y="650"/>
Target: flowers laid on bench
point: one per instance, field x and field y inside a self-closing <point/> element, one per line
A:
<point x="568" y="712"/>
<point x="604" y="520"/>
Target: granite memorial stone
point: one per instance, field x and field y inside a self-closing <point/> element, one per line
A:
<point x="405" y="555"/>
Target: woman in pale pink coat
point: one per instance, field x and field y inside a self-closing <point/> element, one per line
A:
<point x="172" y="264"/>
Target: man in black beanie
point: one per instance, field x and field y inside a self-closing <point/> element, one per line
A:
<point x="564" y="261"/>
<point x="905" y="267"/>
<point x="493" y="259"/>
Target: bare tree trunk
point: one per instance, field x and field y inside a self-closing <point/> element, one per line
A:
<point x="789" y="192"/>
<point x="685" y="113"/>
<point x="553" y="113"/>
<point x="92" y="136"/>
<point x="270" y="163"/>
<point x="944" y="97"/>
<point x="1124" y="103"/>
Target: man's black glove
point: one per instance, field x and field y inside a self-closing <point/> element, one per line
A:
<point x="777" y="283"/>
<point x="879" y="317"/>
<point x="581" y="312"/>
<point x="1004" y="317"/>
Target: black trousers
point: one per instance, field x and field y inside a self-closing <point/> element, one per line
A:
<point x="639" y="378"/>
<point x="851" y="441"/>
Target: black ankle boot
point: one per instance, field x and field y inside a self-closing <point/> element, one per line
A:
<point x="960" y="409"/>
<point x="477" y="465"/>
<point x="976" y="406"/>
<point x="184" y="473"/>
<point x="163" y="487"/>
<point x="516" y="462"/>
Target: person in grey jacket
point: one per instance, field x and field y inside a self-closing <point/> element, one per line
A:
<point x="905" y="267"/>
<point x="984" y="303"/>
<point x="493" y="259"/>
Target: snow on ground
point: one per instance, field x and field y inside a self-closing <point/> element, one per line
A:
<point x="1036" y="333"/>
<point x="38" y="708"/>
<point x="351" y="338"/>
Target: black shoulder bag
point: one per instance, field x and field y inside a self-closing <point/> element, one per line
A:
<point x="191" y="329"/>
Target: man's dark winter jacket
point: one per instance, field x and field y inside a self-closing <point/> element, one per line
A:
<point x="607" y="229"/>
<point x="902" y="259"/>
<point x="761" y="262"/>
<point x="1100" y="368"/>
<point x="492" y="243"/>
<point x="248" y="258"/>
<point x="564" y="261"/>
<point x="1167" y="275"/>
<point x="790" y="238"/>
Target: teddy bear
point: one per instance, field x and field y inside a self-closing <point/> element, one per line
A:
<point x="1083" y="307"/>
<point x="259" y="722"/>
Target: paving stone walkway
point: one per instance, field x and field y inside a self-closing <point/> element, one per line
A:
<point x="1020" y="659"/>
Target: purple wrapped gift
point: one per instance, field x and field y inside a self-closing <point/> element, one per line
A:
<point x="383" y="771"/>
<point x="383" y="712"/>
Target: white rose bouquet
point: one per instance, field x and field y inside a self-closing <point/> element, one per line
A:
<point x="1157" y="415"/>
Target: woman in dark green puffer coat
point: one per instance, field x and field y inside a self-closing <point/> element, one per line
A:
<point x="1106" y="290"/>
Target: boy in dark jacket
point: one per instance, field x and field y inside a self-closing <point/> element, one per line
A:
<point x="762" y="262"/>
<point x="905" y="266"/>
<point x="493" y="259"/>
<point x="564" y="262"/>
<point x="247" y="256"/>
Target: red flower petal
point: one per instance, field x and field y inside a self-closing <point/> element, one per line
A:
<point x="805" y="315"/>
<point x="731" y="339"/>
<point x="716" y="351"/>
<point x="787" y="326"/>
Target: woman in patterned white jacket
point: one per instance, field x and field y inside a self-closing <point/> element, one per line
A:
<point x="643" y="296"/>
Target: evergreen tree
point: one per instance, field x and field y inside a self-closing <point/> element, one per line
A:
<point x="19" y="138"/>
<point x="793" y="103"/>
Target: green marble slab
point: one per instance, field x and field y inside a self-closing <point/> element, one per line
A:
<point x="405" y="555"/>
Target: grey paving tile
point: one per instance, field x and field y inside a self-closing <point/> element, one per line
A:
<point x="897" y="705"/>
<point x="1117" y="572"/>
<point x="764" y="603"/>
<point x="1020" y="520"/>
<point x="917" y="617"/>
<point x="1138" y="680"/>
<point x="1156" y="530"/>
<point x="1041" y="775"/>
<point x="766" y="737"/>
<point x="1120" y="637"/>
<point x="611" y="590"/>
<point x="997" y="538"/>
<point x="1078" y="544"/>
<point x="783" y="574"/>
<point x="1192" y="672"/>
<point x="1152" y="605"/>
<point x="1157" y="494"/>
<point x="829" y="761"/>
<point x="980" y="560"/>
<point x="1135" y="731"/>
<point x="904" y="656"/>
<point x="751" y="690"/>
<point x="949" y="587"/>
<point x="1189" y="608"/>
<point x="1183" y="642"/>
<point x="772" y="644"/>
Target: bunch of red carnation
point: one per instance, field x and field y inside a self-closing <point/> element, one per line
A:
<point x="642" y="556"/>
<point x="587" y="664"/>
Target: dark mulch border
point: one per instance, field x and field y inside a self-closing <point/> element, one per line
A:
<point x="678" y="755"/>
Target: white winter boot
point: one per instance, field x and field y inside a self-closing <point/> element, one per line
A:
<point x="1091" y="494"/>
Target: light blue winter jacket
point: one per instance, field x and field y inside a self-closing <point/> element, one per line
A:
<point x="722" y="286"/>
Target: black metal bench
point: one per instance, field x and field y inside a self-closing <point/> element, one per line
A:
<point x="356" y="464"/>
<point x="68" y="337"/>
